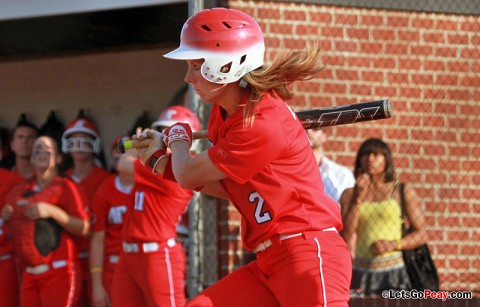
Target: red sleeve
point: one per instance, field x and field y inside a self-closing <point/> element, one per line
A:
<point x="74" y="199"/>
<point x="100" y="205"/>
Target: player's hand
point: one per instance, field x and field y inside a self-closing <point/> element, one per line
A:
<point x="178" y="132"/>
<point x="38" y="210"/>
<point x="7" y="212"/>
<point x="155" y="144"/>
<point x="100" y="297"/>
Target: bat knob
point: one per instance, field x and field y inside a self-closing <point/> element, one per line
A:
<point x="121" y="145"/>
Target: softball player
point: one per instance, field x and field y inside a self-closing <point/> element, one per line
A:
<point x="44" y="214"/>
<point x="9" y="286"/>
<point x="151" y="269"/>
<point x="82" y="141"/>
<point x="261" y="161"/>
<point x="111" y="201"/>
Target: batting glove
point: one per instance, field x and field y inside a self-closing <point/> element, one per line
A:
<point x="178" y="132"/>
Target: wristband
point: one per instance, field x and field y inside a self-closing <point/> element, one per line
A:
<point x="152" y="161"/>
<point x="96" y="269"/>
<point x="399" y="244"/>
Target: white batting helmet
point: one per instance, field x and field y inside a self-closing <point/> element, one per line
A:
<point x="230" y="41"/>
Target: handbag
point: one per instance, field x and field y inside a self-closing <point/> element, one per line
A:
<point x="418" y="261"/>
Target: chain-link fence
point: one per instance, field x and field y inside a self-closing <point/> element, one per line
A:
<point x="427" y="62"/>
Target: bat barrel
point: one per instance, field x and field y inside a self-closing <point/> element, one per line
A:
<point x="346" y="114"/>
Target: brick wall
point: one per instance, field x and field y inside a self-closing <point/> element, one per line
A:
<point x="429" y="66"/>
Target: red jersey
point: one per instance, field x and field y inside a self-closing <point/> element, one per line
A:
<point x="89" y="185"/>
<point x="158" y="205"/>
<point x="8" y="181"/>
<point x="273" y="179"/>
<point x="60" y="192"/>
<point x="110" y="204"/>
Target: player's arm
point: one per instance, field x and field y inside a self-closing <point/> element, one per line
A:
<point x="126" y="163"/>
<point x="70" y="223"/>
<point x="99" y="295"/>
<point x="196" y="172"/>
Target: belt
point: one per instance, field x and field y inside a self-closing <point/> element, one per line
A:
<point x="42" y="268"/>
<point x="148" y="247"/>
<point x="6" y="257"/>
<point x="113" y="258"/>
<point x="267" y="243"/>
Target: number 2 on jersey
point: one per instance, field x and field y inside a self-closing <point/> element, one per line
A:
<point x="260" y="217"/>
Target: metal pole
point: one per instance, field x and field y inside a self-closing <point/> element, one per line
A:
<point x="193" y="268"/>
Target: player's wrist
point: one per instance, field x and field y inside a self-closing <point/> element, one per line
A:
<point x="153" y="159"/>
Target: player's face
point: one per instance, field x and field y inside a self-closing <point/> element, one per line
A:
<point x="80" y="146"/>
<point x="208" y="91"/>
<point x="22" y="141"/>
<point x="43" y="154"/>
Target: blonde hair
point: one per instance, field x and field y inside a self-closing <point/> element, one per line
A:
<point x="286" y="68"/>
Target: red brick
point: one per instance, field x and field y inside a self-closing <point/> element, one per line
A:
<point x="361" y="90"/>
<point x="457" y="39"/>
<point x="457" y="235"/>
<point x="383" y="34"/>
<point x="294" y="15"/>
<point x="434" y="37"/>
<point x="346" y="19"/>
<point x="458" y="66"/>
<point x="459" y="95"/>
<point x="397" y="77"/>
<point x="459" y="263"/>
<point x="358" y="33"/>
<point x="385" y="91"/>
<point x="458" y="207"/>
<point x="449" y="221"/>
<point x="449" y="164"/>
<point x="448" y="52"/>
<point x="418" y="22"/>
<point x="373" y="20"/>
<point x="372" y="76"/>
<point x="368" y="48"/>
<point x="447" y="80"/>
<point x="347" y="74"/>
<point x="409" y="64"/>
<point x="321" y="17"/>
<point x="281" y="28"/>
<point x="408" y="35"/>
<point x="384" y="63"/>
<point x="346" y="46"/>
<point x="421" y="50"/>
<point x="447" y="25"/>
<point x="396" y="49"/>
<point x="329" y="31"/>
<point x="409" y="92"/>
<point x="397" y="21"/>
<point x="473" y="81"/>
<point x="470" y="53"/>
<point x="358" y="61"/>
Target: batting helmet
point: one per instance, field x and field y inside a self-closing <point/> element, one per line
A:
<point x="79" y="144"/>
<point x="231" y="43"/>
<point x="175" y="114"/>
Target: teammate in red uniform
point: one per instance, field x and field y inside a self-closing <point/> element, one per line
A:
<point x="9" y="285"/>
<point x="22" y="141"/>
<point x="82" y="141"/>
<point x="43" y="214"/>
<point x="112" y="200"/>
<point x="261" y="161"/>
<point x="151" y="270"/>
